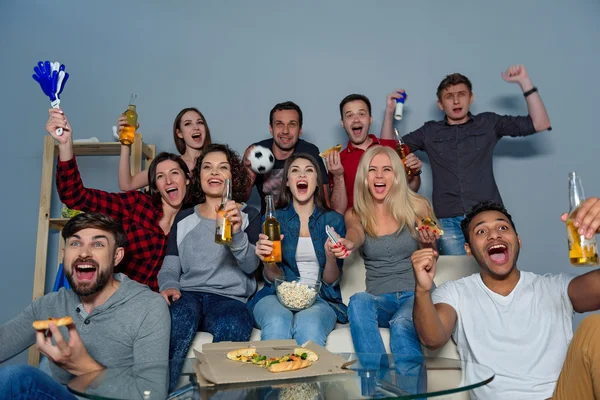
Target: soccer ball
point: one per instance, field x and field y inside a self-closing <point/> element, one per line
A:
<point x="261" y="159"/>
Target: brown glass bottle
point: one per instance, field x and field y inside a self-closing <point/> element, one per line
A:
<point x="272" y="229"/>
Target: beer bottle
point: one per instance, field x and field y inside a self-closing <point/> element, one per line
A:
<point x="127" y="134"/>
<point x="272" y="229"/>
<point x="223" y="227"/>
<point x="402" y="150"/>
<point x="582" y="251"/>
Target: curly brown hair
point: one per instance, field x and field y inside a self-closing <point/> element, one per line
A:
<point x="239" y="174"/>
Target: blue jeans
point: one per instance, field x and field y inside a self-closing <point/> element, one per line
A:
<point x="226" y="319"/>
<point x="26" y="382"/>
<point x="453" y="241"/>
<point x="277" y="322"/>
<point x="367" y="313"/>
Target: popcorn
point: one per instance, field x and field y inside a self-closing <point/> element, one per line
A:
<point x="296" y="295"/>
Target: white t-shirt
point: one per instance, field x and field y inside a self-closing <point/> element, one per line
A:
<point x="522" y="337"/>
<point x="306" y="259"/>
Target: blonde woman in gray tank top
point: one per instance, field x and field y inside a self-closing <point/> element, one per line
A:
<point x="382" y="222"/>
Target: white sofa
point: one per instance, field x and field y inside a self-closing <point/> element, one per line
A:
<point x="340" y="341"/>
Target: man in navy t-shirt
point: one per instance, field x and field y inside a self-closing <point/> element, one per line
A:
<point x="285" y="125"/>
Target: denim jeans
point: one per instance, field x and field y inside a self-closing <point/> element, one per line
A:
<point x="226" y="319"/>
<point x="367" y="313"/>
<point x="453" y="241"/>
<point x="277" y="322"/>
<point x="26" y="382"/>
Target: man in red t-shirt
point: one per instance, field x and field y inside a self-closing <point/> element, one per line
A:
<point x="355" y="111"/>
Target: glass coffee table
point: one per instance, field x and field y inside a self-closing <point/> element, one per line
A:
<point x="368" y="377"/>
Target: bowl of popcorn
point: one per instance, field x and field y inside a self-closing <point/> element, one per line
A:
<point x="297" y="293"/>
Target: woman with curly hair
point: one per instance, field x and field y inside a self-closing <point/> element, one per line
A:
<point x="207" y="284"/>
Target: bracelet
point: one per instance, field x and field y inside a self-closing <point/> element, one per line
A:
<point x="417" y="173"/>
<point x="530" y="91"/>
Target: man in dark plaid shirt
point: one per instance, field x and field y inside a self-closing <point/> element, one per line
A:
<point x="140" y="214"/>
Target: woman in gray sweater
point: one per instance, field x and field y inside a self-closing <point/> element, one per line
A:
<point x="207" y="284"/>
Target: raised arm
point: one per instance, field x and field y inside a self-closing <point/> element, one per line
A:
<point x="535" y="106"/>
<point x="584" y="291"/>
<point x="126" y="180"/>
<point x="68" y="181"/>
<point x="434" y="323"/>
<point x="387" y="128"/>
<point x="339" y="196"/>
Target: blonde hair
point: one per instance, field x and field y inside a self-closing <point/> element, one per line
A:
<point x="406" y="206"/>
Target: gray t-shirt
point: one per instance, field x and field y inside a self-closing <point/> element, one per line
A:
<point x="387" y="261"/>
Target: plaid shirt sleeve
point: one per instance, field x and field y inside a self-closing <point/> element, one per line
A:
<point x="76" y="196"/>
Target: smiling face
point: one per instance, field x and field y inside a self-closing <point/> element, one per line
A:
<point x="494" y="244"/>
<point x="381" y="176"/>
<point x="192" y="129"/>
<point x="89" y="259"/>
<point x="286" y="129"/>
<point x="215" y="168"/>
<point x="302" y="180"/>
<point x="356" y="121"/>
<point x="455" y="102"/>
<point x="171" y="182"/>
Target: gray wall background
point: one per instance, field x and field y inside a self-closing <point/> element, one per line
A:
<point x="234" y="60"/>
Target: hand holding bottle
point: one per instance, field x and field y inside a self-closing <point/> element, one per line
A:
<point x="582" y="224"/>
<point x="587" y="218"/>
<point x="233" y="214"/>
<point x="264" y="247"/>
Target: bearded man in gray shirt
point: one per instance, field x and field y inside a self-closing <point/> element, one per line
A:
<point x="117" y="322"/>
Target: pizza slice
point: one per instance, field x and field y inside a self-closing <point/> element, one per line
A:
<point x="432" y="225"/>
<point x="337" y="147"/>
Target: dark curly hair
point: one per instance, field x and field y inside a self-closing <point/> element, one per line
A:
<point x="478" y="209"/>
<point x="239" y="174"/>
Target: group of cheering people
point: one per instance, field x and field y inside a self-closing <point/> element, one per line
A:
<point x="517" y="323"/>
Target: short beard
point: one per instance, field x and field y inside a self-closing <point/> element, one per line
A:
<point x="102" y="278"/>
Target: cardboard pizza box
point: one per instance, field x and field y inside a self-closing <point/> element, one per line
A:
<point x="214" y="368"/>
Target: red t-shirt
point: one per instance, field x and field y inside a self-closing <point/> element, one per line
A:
<point x="350" y="157"/>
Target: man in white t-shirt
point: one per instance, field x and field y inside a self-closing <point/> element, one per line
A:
<point x="515" y="322"/>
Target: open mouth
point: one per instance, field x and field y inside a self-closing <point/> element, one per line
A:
<point x="379" y="187"/>
<point x="357" y="130"/>
<point x="302" y="187"/>
<point x="457" y="110"/>
<point x="215" y="182"/>
<point x="197" y="137"/>
<point x="86" y="271"/>
<point x="172" y="193"/>
<point x="498" y="253"/>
